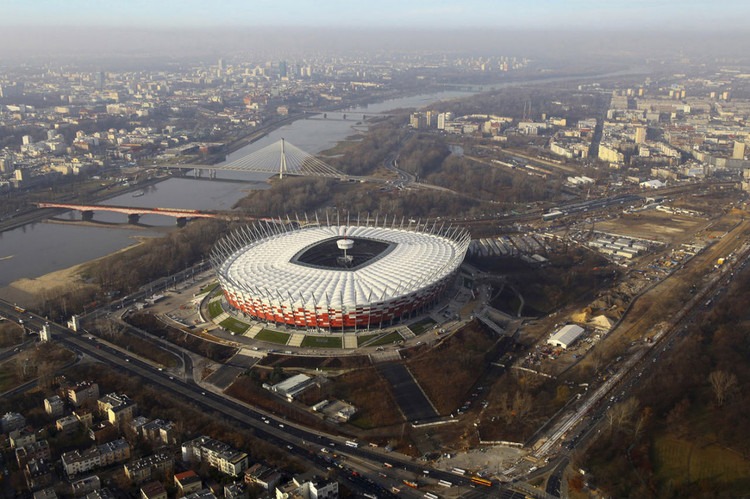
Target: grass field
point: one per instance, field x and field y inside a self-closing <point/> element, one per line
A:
<point x="386" y="339"/>
<point x="272" y="336"/>
<point x="233" y="325"/>
<point x="322" y="341"/>
<point x="214" y="309"/>
<point x="422" y="326"/>
<point x="683" y="461"/>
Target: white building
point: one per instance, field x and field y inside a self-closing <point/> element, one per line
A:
<point x="292" y="386"/>
<point x="217" y="454"/>
<point x="565" y="336"/>
<point x="299" y="489"/>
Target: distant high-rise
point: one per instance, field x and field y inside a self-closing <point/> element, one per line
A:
<point x="11" y="90"/>
<point x="221" y="64"/>
<point x="431" y="119"/>
<point x="442" y="118"/>
<point x="6" y="163"/>
<point x="640" y="135"/>
<point x="282" y="69"/>
<point x="739" y="150"/>
<point x="99" y="80"/>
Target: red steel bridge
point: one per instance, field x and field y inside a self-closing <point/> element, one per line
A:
<point x="134" y="213"/>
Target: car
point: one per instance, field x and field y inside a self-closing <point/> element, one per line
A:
<point x="127" y="360"/>
<point x="281" y="425"/>
<point x="171" y="377"/>
<point x="203" y="393"/>
<point x="289" y="447"/>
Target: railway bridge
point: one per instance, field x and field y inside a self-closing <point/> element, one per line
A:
<point x="134" y="213"/>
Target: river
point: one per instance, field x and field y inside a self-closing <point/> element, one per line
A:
<point x="40" y="248"/>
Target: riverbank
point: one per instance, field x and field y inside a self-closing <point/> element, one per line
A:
<point x="27" y="292"/>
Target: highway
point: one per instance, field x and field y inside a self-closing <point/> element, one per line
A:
<point x="300" y="442"/>
<point x="576" y="427"/>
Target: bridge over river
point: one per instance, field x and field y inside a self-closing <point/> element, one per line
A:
<point x="134" y="213"/>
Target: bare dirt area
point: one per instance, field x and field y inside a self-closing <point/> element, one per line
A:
<point x="27" y="292"/>
<point x="654" y="225"/>
<point x="656" y="306"/>
<point x="448" y="371"/>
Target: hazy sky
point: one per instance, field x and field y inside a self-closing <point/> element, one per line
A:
<point x="714" y="15"/>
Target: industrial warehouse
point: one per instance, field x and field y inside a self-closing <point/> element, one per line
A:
<point x="338" y="277"/>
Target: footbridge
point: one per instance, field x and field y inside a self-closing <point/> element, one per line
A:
<point x="134" y="213"/>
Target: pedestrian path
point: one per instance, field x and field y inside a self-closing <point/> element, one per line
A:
<point x="406" y="333"/>
<point x="296" y="340"/>
<point x="350" y="341"/>
<point x="253" y="330"/>
<point x="221" y="318"/>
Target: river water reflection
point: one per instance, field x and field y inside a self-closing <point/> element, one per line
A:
<point x="39" y="248"/>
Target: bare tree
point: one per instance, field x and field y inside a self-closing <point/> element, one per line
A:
<point x="621" y="414"/>
<point x="596" y="360"/>
<point x="723" y="384"/>
<point x="641" y="422"/>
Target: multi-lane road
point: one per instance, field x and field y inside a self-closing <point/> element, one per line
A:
<point x="297" y="441"/>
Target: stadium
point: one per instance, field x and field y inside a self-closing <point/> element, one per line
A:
<point x="338" y="276"/>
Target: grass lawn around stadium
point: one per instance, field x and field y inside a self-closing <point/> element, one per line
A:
<point x="234" y="325"/>
<point x="322" y="341"/>
<point x="386" y="339"/>
<point x="214" y="309"/>
<point x="365" y="339"/>
<point x="272" y="336"/>
<point x="422" y="326"/>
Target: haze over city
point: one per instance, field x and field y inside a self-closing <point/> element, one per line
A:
<point x="549" y="28"/>
<point x="397" y="250"/>
<point x="437" y="14"/>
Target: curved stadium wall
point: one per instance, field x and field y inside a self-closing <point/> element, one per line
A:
<point x="293" y="274"/>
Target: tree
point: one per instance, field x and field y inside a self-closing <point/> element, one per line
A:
<point x="621" y="414"/>
<point x="723" y="384"/>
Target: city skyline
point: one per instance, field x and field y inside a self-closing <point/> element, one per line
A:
<point x="441" y="14"/>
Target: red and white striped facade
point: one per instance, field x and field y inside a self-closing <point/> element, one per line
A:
<point x="261" y="277"/>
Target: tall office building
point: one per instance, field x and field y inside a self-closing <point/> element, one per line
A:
<point x="282" y="69"/>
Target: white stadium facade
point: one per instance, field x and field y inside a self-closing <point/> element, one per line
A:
<point x="338" y="276"/>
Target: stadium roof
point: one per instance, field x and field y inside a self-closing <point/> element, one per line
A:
<point x="266" y="266"/>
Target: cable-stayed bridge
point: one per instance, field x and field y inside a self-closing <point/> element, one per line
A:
<point x="280" y="158"/>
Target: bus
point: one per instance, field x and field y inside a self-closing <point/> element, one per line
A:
<point x="481" y="481"/>
<point x="388" y="465"/>
<point x="458" y="471"/>
<point x="19" y="309"/>
<point x="351" y="443"/>
<point x="445" y="483"/>
<point x="429" y="495"/>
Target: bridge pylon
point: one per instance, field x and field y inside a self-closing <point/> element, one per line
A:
<point x="282" y="161"/>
